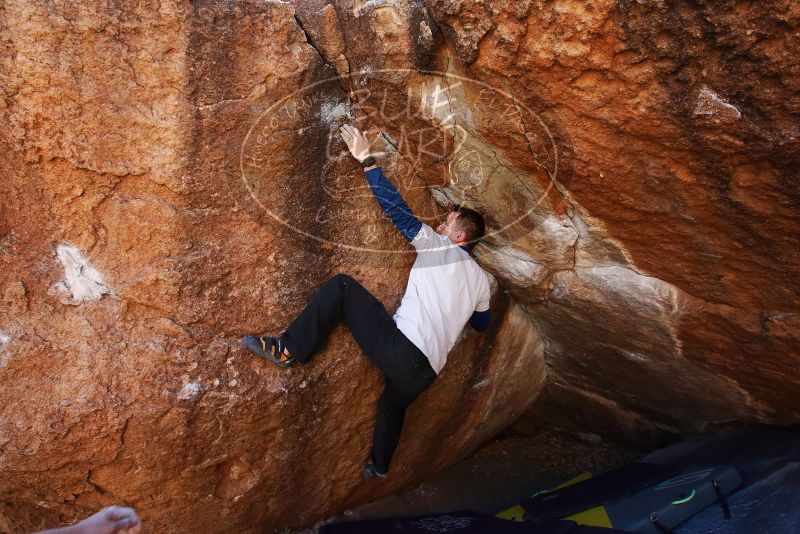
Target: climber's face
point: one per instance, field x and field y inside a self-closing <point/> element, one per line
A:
<point x="450" y="228"/>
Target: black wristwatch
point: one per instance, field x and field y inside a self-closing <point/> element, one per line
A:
<point x="369" y="161"/>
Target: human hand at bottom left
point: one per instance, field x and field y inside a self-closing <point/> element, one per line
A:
<point x="111" y="520"/>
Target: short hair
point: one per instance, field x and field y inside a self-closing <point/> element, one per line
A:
<point x="471" y="222"/>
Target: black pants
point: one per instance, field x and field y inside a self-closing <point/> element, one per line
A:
<point x="406" y="369"/>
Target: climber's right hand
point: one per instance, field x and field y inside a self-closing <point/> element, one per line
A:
<point x="356" y="141"/>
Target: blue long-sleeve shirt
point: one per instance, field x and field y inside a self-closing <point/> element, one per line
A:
<point x="480" y="320"/>
<point x="404" y="219"/>
<point x="393" y="204"/>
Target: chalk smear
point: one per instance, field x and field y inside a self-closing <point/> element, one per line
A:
<point x="82" y="282"/>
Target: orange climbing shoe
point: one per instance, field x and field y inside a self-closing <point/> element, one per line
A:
<point x="269" y="348"/>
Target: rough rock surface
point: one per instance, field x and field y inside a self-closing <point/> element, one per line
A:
<point x="172" y="179"/>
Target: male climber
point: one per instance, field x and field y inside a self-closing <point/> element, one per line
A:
<point x="446" y="289"/>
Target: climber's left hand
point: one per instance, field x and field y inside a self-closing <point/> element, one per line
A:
<point x="356" y="141"/>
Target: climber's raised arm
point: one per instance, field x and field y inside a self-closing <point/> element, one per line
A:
<point x="389" y="199"/>
<point x="392" y="203"/>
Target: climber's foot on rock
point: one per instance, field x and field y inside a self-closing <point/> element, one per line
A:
<point x="369" y="471"/>
<point x="269" y="348"/>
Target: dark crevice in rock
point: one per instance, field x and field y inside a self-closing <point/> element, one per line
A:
<point x="310" y="41"/>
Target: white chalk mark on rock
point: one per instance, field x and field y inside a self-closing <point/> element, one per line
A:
<point x="634" y="356"/>
<point x="515" y="264"/>
<point x="371" y="4"/>
<point x="482" y="384"/>
<point x="331" y="112"/>
<point x="425" y="35"/>
<point x="189" y="390"/>
<point x="82" y="282"/>
<point x="5" y="351"/>
<point x="711" y="105"/>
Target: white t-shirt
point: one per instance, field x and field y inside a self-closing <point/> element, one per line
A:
<point x="445" y="286"/>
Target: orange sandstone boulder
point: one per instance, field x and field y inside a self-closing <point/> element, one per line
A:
<point x="173" y="179"/>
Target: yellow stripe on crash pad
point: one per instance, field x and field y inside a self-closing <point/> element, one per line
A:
<point x="517" y="512"/>
<point x="593" y="517"/>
